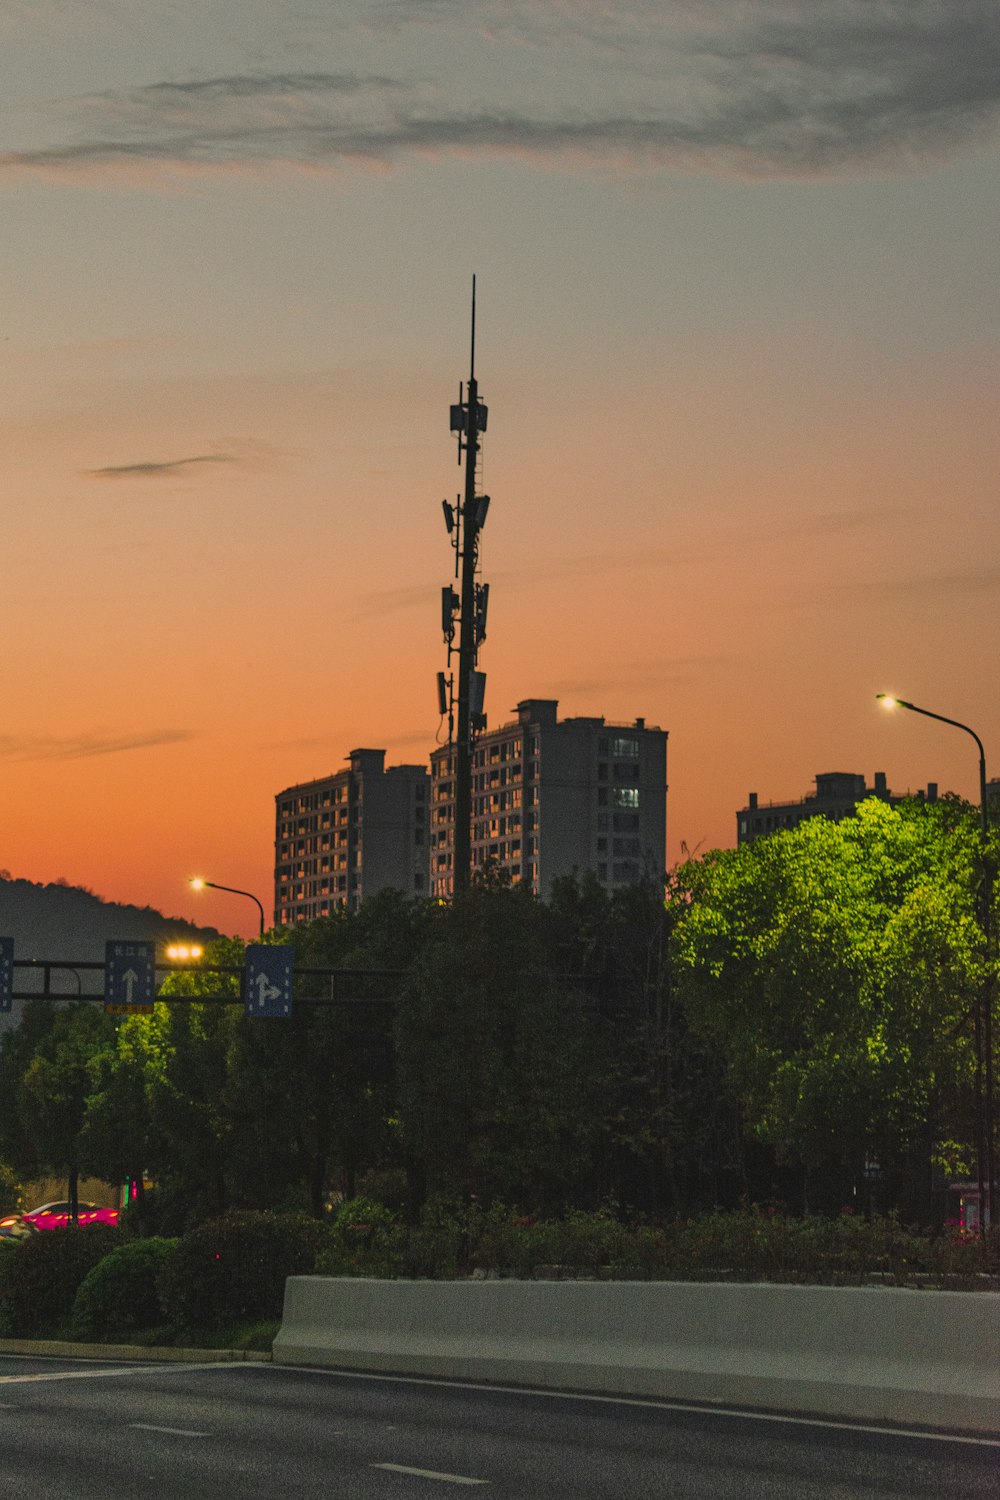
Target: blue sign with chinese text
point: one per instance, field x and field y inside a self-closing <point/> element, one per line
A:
<point x="129" y="974"/>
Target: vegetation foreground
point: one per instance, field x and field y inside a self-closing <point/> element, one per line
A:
<point x="792" y="1026"/>
<point x="222" y="1284"/>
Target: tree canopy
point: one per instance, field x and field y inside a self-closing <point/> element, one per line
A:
<point x="794" y="1011"/>
<point x="836" y="967"/>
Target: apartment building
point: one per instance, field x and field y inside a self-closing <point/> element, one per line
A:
<point x="836" y="796"/>
<point x="552" y="796"/>
<point x="348" y="836"/>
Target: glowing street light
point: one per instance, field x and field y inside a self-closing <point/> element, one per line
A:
<point x="984" y="1013"/>
<point x="198" y="884"/>
<point x="185" y="952"/>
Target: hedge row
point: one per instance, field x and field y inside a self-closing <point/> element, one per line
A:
<point x="98" y="1284"/>
<point x="367" y="1240"/>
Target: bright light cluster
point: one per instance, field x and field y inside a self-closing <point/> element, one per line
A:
<point x="179" y="952"/>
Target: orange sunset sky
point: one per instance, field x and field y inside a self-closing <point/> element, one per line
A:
<point x="738" y="336"/>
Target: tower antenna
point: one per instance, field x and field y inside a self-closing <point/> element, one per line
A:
<point x="468" y="420"/>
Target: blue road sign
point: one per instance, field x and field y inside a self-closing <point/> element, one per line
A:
<point x="129" y="975"/>
<point x="6" y="973"/>
<point x="267" y="981"/>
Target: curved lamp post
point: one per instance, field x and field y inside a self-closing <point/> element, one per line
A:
<point x="984" y="1013"/>
<point x="213" y="885"/>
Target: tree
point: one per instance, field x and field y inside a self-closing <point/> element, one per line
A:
<point x="54" y="1088"/>
<point x="498" y="1058"/>
<point x="185" y="1050"/>
<point x="119" y="1141"/>
<point x="836" y="967"/>
<point x="671" y="1138"/>
<point x="258" y="1113"/>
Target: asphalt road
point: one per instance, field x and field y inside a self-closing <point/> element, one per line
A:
<point x="82" y="1430"/>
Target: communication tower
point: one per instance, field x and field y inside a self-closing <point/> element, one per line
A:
<point x="462" y="688"/>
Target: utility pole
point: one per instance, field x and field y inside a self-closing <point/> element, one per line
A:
<point x="464" y="521"/>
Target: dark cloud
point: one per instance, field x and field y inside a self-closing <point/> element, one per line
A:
<point x="263" y="85"/>
<point x="77" y="747"/>
<point x="155" y="469"/>
<point x="773" y="88"/>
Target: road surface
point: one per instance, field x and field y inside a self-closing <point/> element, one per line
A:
<point x="87" y="1430"/>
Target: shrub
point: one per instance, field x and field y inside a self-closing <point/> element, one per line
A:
<point x="582" y="1243"/>
<point x="437" y="1247"/>
<point x="364" y="1239"/>
<point x="118" y="1296"/>
<point x="39" y="1277"/>
<point x="234" y="1268"/>
<point x="11" y="1190"/>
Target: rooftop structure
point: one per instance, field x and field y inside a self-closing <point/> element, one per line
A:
<point x="552" y="796"/>
<point x="350" y="835"/>
<point x="836" y="796"/>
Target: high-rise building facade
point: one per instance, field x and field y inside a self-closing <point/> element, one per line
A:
<point x="552" y="796"/>
<point x="836" y="796"/>
<point x="348" y="836"/>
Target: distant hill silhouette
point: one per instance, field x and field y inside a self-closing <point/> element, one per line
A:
<point x="61" y="921"/>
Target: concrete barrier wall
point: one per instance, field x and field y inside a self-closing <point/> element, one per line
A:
<point x="869" y="1353"/>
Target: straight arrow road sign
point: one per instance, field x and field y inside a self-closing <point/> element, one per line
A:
<point x="129" y="975"/>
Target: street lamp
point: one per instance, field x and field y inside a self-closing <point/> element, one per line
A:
<point x="984" y="1013"/>
<point x="197" y="884"/>
<point x="183" y="952"/>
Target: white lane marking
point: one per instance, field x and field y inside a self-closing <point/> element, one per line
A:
<point x="99" y="1372"/>
<point x="430" y="1474"/>
<point x="172" y="1431"/>
<point x="686" y="1406"/>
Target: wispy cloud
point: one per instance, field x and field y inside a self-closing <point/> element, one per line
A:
<point x="954" y="587"/>
<point x="649" y="675"/>
<point x="835" y="522"/>
<point x="157" y="468"/>
<point x="391" y="601"/>
<point x="416" y="737"/>
<point x="77" y="747"/>
<point x="768" y="89"/>
<point x="727" y="539"/>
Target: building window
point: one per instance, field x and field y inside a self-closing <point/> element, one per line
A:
<point x="626" y="796"/>
<point x="625" y="749"/>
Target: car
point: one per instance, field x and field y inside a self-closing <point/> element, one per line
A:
<point x="57" y="1215"/>
<point x="14" y="1227"/>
